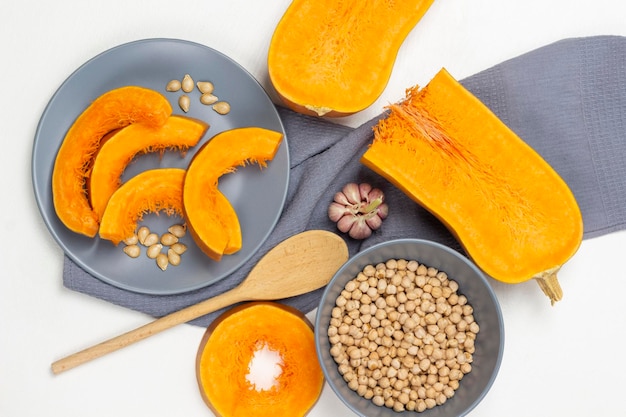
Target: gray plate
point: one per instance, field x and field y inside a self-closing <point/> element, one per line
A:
<point x="257" y="195"/>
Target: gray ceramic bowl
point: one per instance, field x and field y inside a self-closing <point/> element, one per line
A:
<point x="489" y="343"/>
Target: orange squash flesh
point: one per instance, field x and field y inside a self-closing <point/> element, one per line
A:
<point x="153" y="190"/>
<point x="178" y="132"/>
<point x="334" y="58"/>
<point x="513" y="214"/>
<point x="226" y="352"/>
<point x="72" y="168"/>
<point x="212" y="228"/>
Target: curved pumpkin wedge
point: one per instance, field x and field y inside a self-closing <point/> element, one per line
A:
<point x="513" y="214"/>
<point x="334" y="58"/>
<point x="113" y="110"/>
<point x="214" y="231"/>
<point x="263" y="331"/>
<point x="178" y="133"/>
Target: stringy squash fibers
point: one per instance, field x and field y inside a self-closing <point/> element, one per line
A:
<point x="334" y="58"/>
<point x="113" y="110"/>
<point x="513" y="214"/>
<point x="210" y="222"/>
<point x="227" y="350"/>
<point x="178" y="133"/>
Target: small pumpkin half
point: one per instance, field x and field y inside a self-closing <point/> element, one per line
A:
<point x="112" y="110"/>
<point x="225" y="362"/>
<point x="334" y="58"/>
<point x="510" y="210"/>
<point x="209" y="220"/>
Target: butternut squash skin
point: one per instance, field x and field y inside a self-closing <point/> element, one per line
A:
<point x="513" y="214"/>
<point x="334" y="58"/>
<point x="213" y="230"/>
<point x="228" y="346"/>
<point x="112" y="110"/>
<point x="151" y="191"/>
<point x="178" y="133"/>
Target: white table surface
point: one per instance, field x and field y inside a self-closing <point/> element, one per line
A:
<point x="561" y="360"/>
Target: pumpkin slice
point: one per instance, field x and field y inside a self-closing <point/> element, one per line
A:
<point x="113" y="110"/>
<point x="513" y="214"/>
<point x="153" y="190"/>
<point x="213" y="231"/>
<point x="178" y="133"/>
<point x="225" y="362"/>
<point x="334" y="58"/>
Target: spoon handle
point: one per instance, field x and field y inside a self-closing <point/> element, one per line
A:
<point x="147" y="330"/>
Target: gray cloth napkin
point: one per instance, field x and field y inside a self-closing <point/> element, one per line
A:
<point x="567" y="100"/>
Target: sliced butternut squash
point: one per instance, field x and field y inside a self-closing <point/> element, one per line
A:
<point x="214" y="230"/>
<point x="112" y="110"/>
<point x="151" y="191"/>
<point x="513" y="214"/>
<point x="261" y="331"/>
<point x="178" y="133"/>
<point x="334" y="58"/>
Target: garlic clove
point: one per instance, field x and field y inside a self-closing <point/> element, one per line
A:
<point x="352" y="193"/>
<point x="345" y="223"/>
<point x="360" y="229"/>
<point x="374" y="222"/>
<point x="364" y="191"/>
<point x="336" y="211"/>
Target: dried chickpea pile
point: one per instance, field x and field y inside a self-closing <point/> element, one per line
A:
<point x="402" y="336"/>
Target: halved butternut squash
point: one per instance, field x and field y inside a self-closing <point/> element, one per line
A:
<point x="513" y="214"/>
<point x="213" y="230"/>
<point x="113" y="110"/>
<point x="263" y="331"/>
<point x="178" y="133"/>
<point x="334" y="58"/>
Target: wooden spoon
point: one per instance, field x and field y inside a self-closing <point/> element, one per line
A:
<point x="302" y="263"/>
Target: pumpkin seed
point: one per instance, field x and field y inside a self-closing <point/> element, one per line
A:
<point x="187" y="83"/>
<point x="222" y="107"/>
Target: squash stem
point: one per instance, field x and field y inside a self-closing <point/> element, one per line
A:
<point x="549" y="284"/>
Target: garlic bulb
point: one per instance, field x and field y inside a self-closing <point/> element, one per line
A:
<point x="358" y="209"/>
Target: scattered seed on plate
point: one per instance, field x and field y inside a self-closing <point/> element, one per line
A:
<point x="208" y="98"/>
<point x="177" y="230"/>
<point x="205" y="87"/>
<point x="179" y="248"/>
<point x="173" y="86"/>
<point x="168" y="239"/>
<point x="142" y="233"/>
<point x="162" y="261"/>
<point x="131" y="240"/>
<point x="173" y="257"/>
<point x="151" y="239"/>
<point x="154" y="250"/>
<point x="222" y="107"/>
<point x="184" y="103"/>
<point x="187" y="83"/>
<point x="132" y="250"/>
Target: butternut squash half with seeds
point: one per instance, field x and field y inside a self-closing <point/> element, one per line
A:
<point x="334" y="58"/>
<point x="511" y="211"/>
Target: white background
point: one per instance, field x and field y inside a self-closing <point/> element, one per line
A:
<point x="562" y="360"/>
